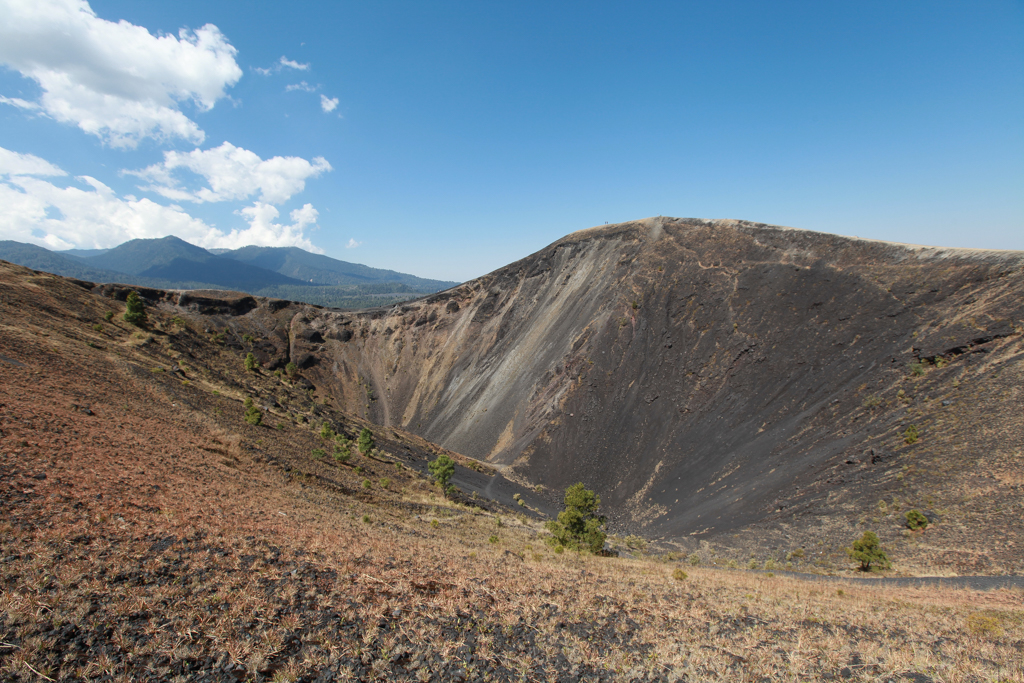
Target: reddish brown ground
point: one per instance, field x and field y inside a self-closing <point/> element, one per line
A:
<point x="148" y="533"/>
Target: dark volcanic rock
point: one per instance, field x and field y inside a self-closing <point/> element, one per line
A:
<point x="700" y="375"/>
<point x="691" y="371"/>
<point x="216" y="302"/>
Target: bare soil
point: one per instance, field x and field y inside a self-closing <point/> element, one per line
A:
<point x="147" y="532"/>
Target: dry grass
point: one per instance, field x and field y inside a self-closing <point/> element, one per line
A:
<point x="170" y="541"/>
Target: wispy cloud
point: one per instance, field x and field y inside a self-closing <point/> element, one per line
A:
<point x="328" y="104"/>
<point x="352" y="244"/>
<point x="283" y="63"/>
<point x="13" y="163"/>
<point x="116" y="81"/>
<point x="303" y="86"/>
<point x="293" y="64"/>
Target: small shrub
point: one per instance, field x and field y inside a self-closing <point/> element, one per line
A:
<point x="868" y="551"/>
<point x="872" y="401"/>
<point x="98" y="327"/>
<point x="248" y="402"/>
<point x="385" y="482"/>
<point x="292" y="369"/>
<point x="318" y="453"/>
<point x="365" y="441"/>
<point x="279" y="373"/>
<point x="635" y="543"/>
<point x="108" y="316"/>
<point x="694" y="559"/>
<point x="359" y="469"/>
<point x="253" y="415"/>
<point x="441" y="470"/>
<point x="752" y="564"/>
<point x="910" y="436"/>
<point x="916" y="520"/>
<point x="366" y="519"/>
<point x="981" y="624"/>
<point x="367" y="484"/>
<point x="341" y="453"/>
<point x="679" y="574"/>
<point x="250" y="362"/>
<point x="280" y="426"/>
<point x="135" y="312"/>
<point x="434" y="523"/>
<point x="326" y="432"/>
<point x="578" y="526"/>
<point x="248" y="338"/>
<point x="493" y="539"/>
<point x="917" y="369"/>
<point x="798" y="553"/>
<point x="770" y="565"/>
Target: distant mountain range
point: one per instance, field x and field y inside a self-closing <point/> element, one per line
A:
<point x="280" y="272"/>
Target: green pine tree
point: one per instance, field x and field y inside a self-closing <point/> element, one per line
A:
<point x="366" y="443"/>
<point x="135" y="313"/>
<point x="579" y="527"/>
<point x="868" y="551"/>
<point x="442" y="470"/>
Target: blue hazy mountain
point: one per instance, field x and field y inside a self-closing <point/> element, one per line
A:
<point x="281" y="272"/>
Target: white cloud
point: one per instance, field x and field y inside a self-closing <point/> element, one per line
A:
<point x="282" y="63"/>
<point x="352" y="244"/>
<point x="303" y="86"/>
<point x="292" y="64"/>
<point x="328" y="104"/>
<point x="263" y="231"/>
<point x="114" y="80"/>
<point x="13" y="163"/>
<point x="232" y="173"/>
<point x="18" y="102"/>
<point x="91" y="215"/>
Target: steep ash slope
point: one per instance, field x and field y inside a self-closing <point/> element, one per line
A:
<point x="701" y="375"/>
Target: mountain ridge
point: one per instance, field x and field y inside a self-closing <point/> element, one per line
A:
<point x="653" y="358"/>
<point x="172" y="263"/>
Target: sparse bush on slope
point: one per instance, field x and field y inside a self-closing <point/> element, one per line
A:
<point x="135" y="313"/>
<point x="916" y="520"/>
<point x="365" y="441"/>
<point x="868" y="551"/>
<point x="578" y="526"/>
<point x="442" y="470"/>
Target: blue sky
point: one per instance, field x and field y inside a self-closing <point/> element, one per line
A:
<point x="448" y="139"/>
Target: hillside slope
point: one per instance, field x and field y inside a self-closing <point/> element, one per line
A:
<point x="705" y="376"/>
<point x="149" y="533"/>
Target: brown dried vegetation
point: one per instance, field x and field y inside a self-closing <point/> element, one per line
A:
<point x="149" y="533"/>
